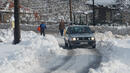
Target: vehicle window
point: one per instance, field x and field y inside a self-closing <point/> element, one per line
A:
<point x="78" y="29"/>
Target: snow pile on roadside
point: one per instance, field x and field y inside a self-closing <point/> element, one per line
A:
<point x="24" y="57"/>
<point x="104" y="36"/>
<point x="6" y="35"/>
<point x="112" y="67"/>
<point x="20" y="60"/>
<point x="115" y="54"/>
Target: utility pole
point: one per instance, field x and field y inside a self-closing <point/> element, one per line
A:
<point x="27" y="13"/>
<point x="93" y="13"/>
<point x="17" y="26"/>
<point x="70" y="5"/>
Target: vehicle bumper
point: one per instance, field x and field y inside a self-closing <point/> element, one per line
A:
<point x="89" y="43"/>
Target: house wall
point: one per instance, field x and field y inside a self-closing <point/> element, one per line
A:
<point x="24" y="17"/>
<point x="102" y="14"/>
<point x="126" y="18"/>
<point x="4" y="17"/>
<point x="108" y="16"/>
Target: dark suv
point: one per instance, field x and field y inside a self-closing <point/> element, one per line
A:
<point x="79" y="35"/>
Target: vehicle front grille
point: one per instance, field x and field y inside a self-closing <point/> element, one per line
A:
<point x="83" y="38"/>
<point x="80" y="38"/>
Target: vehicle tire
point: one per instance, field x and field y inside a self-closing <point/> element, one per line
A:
<point x="94" y="46"/>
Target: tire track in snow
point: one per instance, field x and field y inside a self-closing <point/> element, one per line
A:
<point x="65" y="60"/>
<point x="70" y="60"/>
<point x="94" y="64"/>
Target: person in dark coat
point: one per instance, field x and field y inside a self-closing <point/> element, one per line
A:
<point x="43" y="27"/>
<point x="61" y="27"/>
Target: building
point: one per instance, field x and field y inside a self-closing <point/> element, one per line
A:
<point x="82" y="17"/>
<point x="27" y="15"/>
<point x="106" y="11"/>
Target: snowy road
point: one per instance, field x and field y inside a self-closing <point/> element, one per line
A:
<point x="38" y="54"/>
<point x="72" y="63"/>
<point x="77" y="60"/>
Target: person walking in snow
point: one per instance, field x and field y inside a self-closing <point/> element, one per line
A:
<point x="42" y="28"/>
<point x="61" y="27"/>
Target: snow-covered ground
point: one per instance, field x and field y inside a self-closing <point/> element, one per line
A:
<point x="115" y="53"/>
<point x="24" y="57"/>
<point x="38" y="54"/>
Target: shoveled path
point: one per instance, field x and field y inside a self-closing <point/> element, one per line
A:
<point x="76" y="60"/>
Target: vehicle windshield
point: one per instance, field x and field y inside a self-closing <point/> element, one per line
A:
<point x="79" y="29"/>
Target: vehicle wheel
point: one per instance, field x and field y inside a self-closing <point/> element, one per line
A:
<point x="94" y="46"/>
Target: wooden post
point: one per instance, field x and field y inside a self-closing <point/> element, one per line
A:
<point x="17" y="26"/>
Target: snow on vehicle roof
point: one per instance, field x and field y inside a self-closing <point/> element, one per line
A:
<point x="102" y="2"/>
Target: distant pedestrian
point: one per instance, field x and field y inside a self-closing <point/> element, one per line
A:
<point x="61" y="27"/>
<point x="42" y="28"/>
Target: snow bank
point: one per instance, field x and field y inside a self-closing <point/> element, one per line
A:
<point x="112" y="67"/>
<point x="24" y="57"/>
<point x="115" y="54"/>
<point x="6" y="35"/>
<point x="35" y="54"/>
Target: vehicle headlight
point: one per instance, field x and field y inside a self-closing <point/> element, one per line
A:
<point x="73" y="39"/>
<point x="92" y="38"/>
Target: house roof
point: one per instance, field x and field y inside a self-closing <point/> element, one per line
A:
<point x="83" y="12"/>
<point x="102" y="2"/>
